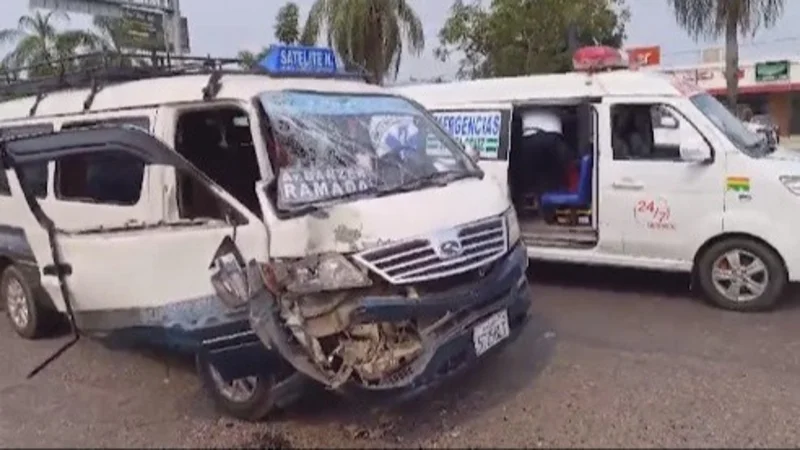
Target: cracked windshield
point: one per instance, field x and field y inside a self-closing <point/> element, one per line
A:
<point x="337" y="146"/>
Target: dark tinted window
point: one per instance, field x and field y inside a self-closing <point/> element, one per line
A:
<point x="35" y="175"/>
<point x="103" y="177"/>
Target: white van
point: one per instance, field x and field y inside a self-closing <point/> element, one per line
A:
<point x="285" y="226"/>
<point x="703" y="195"/>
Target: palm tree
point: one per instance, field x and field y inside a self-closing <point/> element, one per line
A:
<point x="367" y="34"/>
<point x="287" y="24"/>
<point x="40" y="44"/>
<point x="715" y="18"/>
<point x="287" y="31"/>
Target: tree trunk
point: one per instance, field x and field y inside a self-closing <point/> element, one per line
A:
<point x="378" y="68"/>
<point x="732" y="61"/>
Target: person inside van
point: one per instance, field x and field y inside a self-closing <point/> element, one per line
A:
<point x="629" y="132"/>
<point x="543" y="156"/>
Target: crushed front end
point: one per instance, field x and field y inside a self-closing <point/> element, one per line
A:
<point x="399" y="316"/>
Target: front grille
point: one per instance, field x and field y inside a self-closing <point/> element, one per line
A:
<point x="422" y="259"/>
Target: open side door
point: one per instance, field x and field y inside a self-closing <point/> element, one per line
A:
<point x="145" y="274"/>
<point x="487" y="128"/>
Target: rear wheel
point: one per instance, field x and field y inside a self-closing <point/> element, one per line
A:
<point x="249" y="398"/>
<point x="25" y="313"/>
<point x="742" y="275"/>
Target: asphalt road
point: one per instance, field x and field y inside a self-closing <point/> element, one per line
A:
<point x="616" y="358"/>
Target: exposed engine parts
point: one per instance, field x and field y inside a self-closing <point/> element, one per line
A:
<point x="320" y="322"/>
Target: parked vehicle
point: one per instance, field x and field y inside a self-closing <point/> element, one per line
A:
<point x="660" y="175"/>
<point x="285" y="225"/>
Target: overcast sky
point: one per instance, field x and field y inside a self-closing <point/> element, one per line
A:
<point x="222" y="27"/>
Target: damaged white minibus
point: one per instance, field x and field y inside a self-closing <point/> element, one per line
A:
<point x="284" y="224"/>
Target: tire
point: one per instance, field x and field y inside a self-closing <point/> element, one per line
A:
<point x="255" y="406"/>
<point x="25" y="313"/>
<point x="771" y="275"/>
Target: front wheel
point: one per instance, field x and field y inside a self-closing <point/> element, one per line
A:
<point x="742" y="275"/>
<point x="249" y="398"/>
<point x="28" y="317"/>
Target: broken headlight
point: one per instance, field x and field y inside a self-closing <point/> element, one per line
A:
<point x="512" y="226"/>
<point x="233" y="283"/>
<point x="317" y="273"/>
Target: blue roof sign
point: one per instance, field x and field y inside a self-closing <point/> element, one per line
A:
<point x="297" y="60"/>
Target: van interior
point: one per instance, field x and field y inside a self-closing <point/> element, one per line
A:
<point x="551" y="176"/>
<point x="218" y="141"/>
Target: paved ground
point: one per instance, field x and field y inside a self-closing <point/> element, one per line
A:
<point x="621" y="358"/>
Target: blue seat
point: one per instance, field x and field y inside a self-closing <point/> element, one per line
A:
<point x="582" y="198"/>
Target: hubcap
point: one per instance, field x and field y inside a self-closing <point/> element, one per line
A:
<point x="740" y="276"/>
<point x="17" y="303"/>
<point x="239" y="390"/>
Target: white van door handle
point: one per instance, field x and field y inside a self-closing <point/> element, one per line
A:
<point x="627" y="183"/>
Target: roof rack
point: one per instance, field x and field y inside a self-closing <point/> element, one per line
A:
<point x="86" y="70"/>
<point x="95" y="71"/>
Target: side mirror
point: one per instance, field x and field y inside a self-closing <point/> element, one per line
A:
<point x="668" y="122"/>
<point x="472" y="152"/>
<point x="695" y="149"/>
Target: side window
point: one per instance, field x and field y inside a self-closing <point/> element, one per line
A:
<point x="488" y="131"/>
<point x="102" y="177"/>
<point x="649" y="132"/>
<point x="35" y="175"/>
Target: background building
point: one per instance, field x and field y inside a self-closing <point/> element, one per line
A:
<point x="765" y="87"/>
<point x="770" y="86"/>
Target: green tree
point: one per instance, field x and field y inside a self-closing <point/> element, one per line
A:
<point x="39" y="43"/>
<point x="287" y="24"/>
<point x="287" y="31"/>
<point x="249" y="59"/>
<point x="367" y="34"/>
<point x="729" y="18"/>
<point x="522" y="37"/>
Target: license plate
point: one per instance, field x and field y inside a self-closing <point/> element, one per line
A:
<point x="490" y="332"/>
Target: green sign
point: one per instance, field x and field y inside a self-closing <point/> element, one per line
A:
<point x="773" y="70"/>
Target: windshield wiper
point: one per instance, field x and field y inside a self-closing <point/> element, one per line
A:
<point x="435" y="179"/>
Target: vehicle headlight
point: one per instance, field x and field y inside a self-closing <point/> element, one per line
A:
<point x="318" y="273"/>
<point x="231" y="281"/>
<point x="792" y="183"/>
<point x="512" y="226"/>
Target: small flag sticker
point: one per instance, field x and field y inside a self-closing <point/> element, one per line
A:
<point x="738" y="184"/>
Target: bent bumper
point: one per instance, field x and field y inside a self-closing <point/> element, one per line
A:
<point x="447" y="347"/>
<point x="451" y="348"/>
